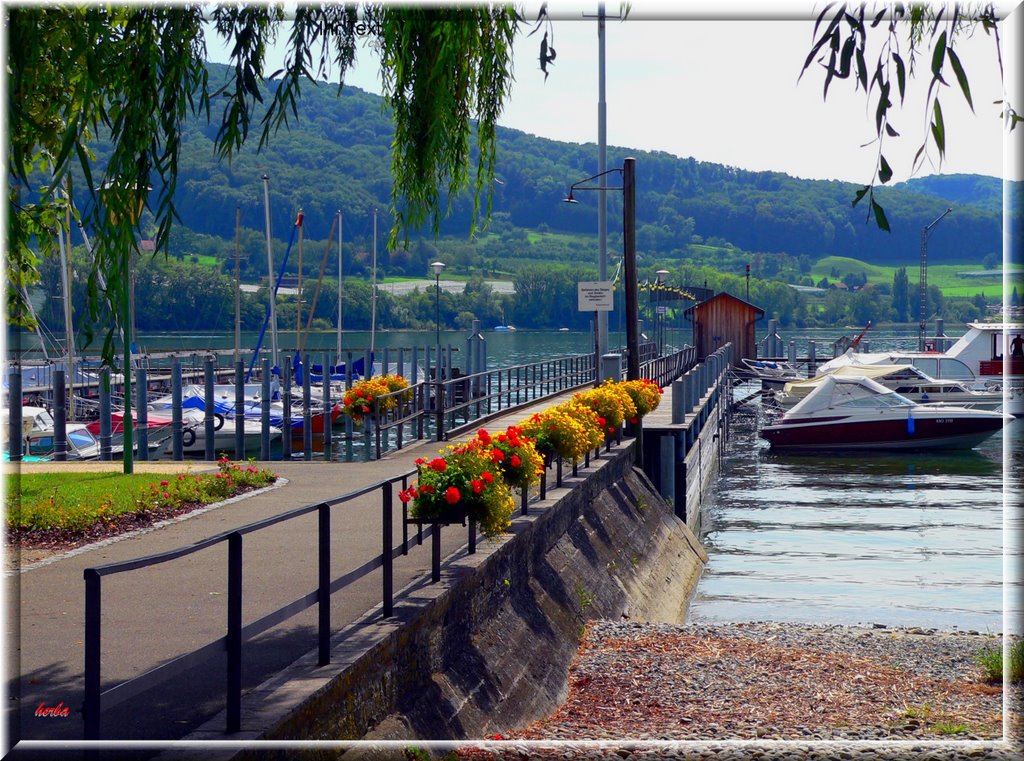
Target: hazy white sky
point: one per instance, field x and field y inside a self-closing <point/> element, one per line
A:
<point x="725" y="90"/>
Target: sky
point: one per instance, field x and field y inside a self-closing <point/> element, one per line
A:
<point x="726" y="90"/>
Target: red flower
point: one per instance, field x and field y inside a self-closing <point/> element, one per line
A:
<point x="452" y="495"/>
<point x="661" y="391"/>
<point x="366" y="409"/>
<point x="516" y="462"/>
<point x="359" y="392"/>
<point x="427" y="489"/>
<point x="421" y="460"/>
<point x="611" y="430"/>
<point x="406" y="495"/>
<point x="497" y="455"/>
<point x="163" y="483"/>
<point x="484" y="436"/>
<point x="487" y="477"/>
<point x="478" y="485"/>
<point x="439" y="464"/>
<point x="601" y="421"/>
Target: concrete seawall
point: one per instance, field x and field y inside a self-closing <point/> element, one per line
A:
<point x="488" y="648"/>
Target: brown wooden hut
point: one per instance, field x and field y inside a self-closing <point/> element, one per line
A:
<point x="721" y="319"/>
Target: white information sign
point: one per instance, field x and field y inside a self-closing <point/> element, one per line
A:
<point x="595" y="296"/>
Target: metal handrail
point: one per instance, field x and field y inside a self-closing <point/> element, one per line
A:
<point x="237" y="633"/>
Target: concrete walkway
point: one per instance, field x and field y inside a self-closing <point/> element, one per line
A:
<point x="153" y="615"/>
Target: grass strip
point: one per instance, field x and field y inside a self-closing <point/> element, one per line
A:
<point x="66" y="507"/>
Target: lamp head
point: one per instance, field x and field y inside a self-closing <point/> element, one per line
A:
<point x="437" y="267"/>
<point x="662" y="274"/>
<point x="569" y="198"/>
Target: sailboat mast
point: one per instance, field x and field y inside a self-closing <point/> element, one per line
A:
<point x="298" y="297"/>
<point x="238" y="284"/>
<point x="270" y="270"/>
<point x="373" y="289"/>
<point x="69" y="328"/>
<point x="340" y="288"/>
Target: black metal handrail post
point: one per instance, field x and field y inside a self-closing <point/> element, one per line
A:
<point x="234" y="643"/>
<point x="388" y="558"/>
<point x="324" y="584"/>
<point x="91" y="708"/>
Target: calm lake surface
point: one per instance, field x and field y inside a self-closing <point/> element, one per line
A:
<point x="909" y="539"/>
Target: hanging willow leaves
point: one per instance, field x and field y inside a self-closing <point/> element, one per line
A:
<point x="138" y="72"/>
<point x="909" y="32"/>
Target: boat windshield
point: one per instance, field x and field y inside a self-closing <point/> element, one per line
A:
<point x="861" y="392"/>
<point x="81" y="438"/>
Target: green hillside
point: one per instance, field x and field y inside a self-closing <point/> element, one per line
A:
<point x="954" y="280"/>
<point x="336" y="156"/>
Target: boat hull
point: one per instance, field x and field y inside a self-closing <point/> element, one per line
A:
<point x="920" y="432"/>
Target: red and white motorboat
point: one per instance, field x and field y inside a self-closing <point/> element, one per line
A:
<point x="844" y="413"/>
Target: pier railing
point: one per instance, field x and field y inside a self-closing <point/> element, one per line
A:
<point x="444" y="401"/>
<point x="231" y="646"/>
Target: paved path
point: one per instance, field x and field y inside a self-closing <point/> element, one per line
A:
<point x="153" y="615"/>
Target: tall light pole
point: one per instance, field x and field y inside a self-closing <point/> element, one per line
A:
<point x="437" y="267"/>
<point x="923" y="306"/>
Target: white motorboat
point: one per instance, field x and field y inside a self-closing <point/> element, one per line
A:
<point x="906" y="380"/>
<point x="773" y="374"/>
<point x="859" y="413"/>
<point x="989" y="355"/>
<point x="193" y="435"/>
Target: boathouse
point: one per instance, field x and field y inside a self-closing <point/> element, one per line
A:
<point x="722" y="319"/>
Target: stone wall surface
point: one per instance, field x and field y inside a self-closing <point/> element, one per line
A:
<point x="488" y="649"/>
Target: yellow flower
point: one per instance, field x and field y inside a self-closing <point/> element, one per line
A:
<point x="645" y="395"/>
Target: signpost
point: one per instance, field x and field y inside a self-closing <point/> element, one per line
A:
<point x="595" y="296"/>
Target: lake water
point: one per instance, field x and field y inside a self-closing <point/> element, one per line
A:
<point x="908" y="539"/>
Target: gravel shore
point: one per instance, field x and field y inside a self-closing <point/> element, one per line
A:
<point x="772" y="691"/>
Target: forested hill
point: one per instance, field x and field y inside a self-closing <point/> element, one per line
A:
<point x="336" y="156"/>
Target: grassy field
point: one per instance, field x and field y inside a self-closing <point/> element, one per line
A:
<point x="952" y="279"/>
<point x="64" y="505"/>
